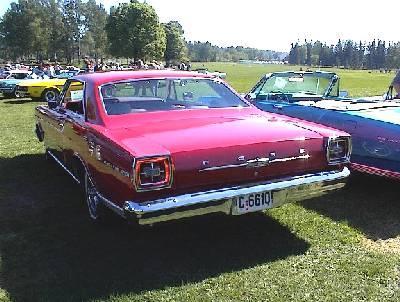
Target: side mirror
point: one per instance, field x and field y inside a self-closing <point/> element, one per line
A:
<point x="343" y="93"/>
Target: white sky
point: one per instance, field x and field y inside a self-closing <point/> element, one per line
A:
<point x="275" y="24"/>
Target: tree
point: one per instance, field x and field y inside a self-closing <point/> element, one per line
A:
<point x="94" y="41"/>
<point x="22" y="28"/>
<point x="176" y="50"/>
<point x="133" y="30"/>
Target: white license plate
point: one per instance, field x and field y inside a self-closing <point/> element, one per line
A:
<point x="253" y="202"/>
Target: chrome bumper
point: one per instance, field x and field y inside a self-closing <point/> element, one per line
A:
<point x="7" y="89"/>
<point x="284" y="190"/>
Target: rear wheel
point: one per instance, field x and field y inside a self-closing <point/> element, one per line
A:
<point x="50" y="95"/>
<point x="95" y="207"/>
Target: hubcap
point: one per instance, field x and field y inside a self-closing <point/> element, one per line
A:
<point x="92" y="199"/>
<point x="50" y="96"/>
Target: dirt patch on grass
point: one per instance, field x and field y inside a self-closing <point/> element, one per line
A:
<point x="391" y="245"/>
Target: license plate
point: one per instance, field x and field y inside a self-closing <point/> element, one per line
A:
<point x="253" y="202"/>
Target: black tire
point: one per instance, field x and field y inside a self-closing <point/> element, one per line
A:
<point x="8" y="95"/>
<point x="50" y="94"/>
<point x="16" y="93"/>
<point x="96" y="210"/>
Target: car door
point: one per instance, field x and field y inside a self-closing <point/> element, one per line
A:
<point x="51" y="121"/>
<point x="74" y="123"/>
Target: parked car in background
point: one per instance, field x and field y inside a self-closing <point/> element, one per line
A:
<point x="315" y="96"/>
<point x="218" y="74"/>
<point x="14" y="74"/>
<point x="159" y="145"/>
<point x="8" y="85"/>
<point x="44" y="89"/>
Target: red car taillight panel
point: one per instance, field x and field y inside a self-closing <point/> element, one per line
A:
<point x="153" y="173"/>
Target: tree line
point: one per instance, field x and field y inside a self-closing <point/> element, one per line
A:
<point x="347" y="54"/>
<point x="67" y="30"/>
<point x="206" y="52"/>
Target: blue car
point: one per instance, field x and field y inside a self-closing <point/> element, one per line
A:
<point x="315" y="96"/>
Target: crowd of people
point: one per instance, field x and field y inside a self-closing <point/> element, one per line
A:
<point x="52" y="69"/>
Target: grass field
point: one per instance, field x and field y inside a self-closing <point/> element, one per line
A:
<point x="357" y="82"/>
<point x="345" y="247"/>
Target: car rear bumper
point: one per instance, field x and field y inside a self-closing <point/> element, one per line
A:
<point x="285" y="190"/>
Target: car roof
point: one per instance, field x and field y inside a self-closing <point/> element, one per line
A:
<point x="99" y="78"/>
<point x="18" y="71"/>
<point x="322" y="73"/>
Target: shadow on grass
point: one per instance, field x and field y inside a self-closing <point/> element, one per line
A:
<point x="368" y="203"/>
<point x="20" y="101"/>
<point x="51" y="251"/>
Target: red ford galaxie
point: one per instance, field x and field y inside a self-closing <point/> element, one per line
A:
<point x="159" y="145"/>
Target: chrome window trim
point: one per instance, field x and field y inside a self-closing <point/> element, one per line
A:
<point x="62" y="95"/>
<point x="99" y="87"/>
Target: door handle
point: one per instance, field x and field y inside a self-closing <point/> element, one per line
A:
<point x="279" y="107"/>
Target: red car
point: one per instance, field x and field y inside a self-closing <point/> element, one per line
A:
<point x="159" y="145"/>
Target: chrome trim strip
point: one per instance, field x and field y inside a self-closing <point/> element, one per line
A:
<point x="223" y="167"/>
<point x="64" y="167"/>
<point x="253" y="163"/>
<point x="112" y="206"/>
<point x="280" y="160"/>
<point x="285" y="190"/>
<point x="375" y="171"/>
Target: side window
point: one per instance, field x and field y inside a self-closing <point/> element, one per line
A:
<point x="73" y="97"/>
<point x="20" y="76"/>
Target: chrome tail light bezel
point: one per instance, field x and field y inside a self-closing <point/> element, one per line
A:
<point x="340" y="160"/>
<point x="169" y="171"/>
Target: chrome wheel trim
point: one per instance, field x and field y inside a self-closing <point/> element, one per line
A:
<point x="17" y="94"/>
<point x="50" y="95"/>
<point x="92" y="199"/>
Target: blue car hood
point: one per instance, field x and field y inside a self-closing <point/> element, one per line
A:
<point x="11" y="81"/>
<point x="388" y="115"/>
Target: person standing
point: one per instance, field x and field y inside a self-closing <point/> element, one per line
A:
<point x="396" y="84"/>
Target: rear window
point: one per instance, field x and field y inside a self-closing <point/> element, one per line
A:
<point x="167" y="94"/>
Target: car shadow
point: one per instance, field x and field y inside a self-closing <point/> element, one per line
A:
<point x="370" y="204"/>
<point x="20" y="101"/>
<point x="51" y="251"/>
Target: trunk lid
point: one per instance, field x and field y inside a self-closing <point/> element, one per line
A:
<point x="209" y="150"/>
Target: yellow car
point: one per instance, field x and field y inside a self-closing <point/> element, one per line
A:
<point x="44" y="89"/>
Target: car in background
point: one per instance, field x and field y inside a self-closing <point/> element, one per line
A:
<point x="218" y="74"/>
<point x="315" y="96"/>
<point x="154" y="146"/>
<point x="14" y="74"/>
<point x="44" y="89"/>
<point x="8" y="85"/>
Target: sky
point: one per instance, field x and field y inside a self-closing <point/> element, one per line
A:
<point x="275" y="24"/>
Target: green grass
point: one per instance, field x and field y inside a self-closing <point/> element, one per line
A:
<point x="358" y="82"/>
<point x="328" y="249"/>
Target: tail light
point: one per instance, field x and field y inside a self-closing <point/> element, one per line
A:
<point x="152" y="173"/>
<point x="338" y="150"/>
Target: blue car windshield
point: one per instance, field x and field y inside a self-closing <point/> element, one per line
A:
<point x="310" y="84"/>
